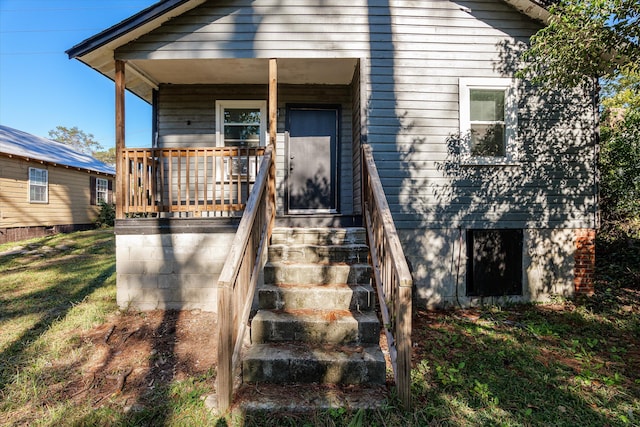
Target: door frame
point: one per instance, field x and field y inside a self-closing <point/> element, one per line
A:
<point x="335" y="172"/>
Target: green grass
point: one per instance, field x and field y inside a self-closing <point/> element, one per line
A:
<point x="48" y="298"/>
<point x="573" y="363"/>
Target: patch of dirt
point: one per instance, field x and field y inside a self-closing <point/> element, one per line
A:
<point x="136" y="353"/>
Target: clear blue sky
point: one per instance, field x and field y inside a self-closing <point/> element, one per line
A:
<point x="40" y="88"/>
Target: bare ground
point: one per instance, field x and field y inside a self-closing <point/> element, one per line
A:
<point x="136" y="353"/>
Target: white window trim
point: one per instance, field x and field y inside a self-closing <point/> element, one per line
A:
<point x="46" y="186"/>
<point x="222" y="104"/>
<point x="512" y="148"/>
<point x="105" y="190"/>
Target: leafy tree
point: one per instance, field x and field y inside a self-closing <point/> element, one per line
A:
<point x="108" y="157"/>
<point x="622" y="93"/>
<point x="78" y="139"/>
<point x="586" y="39"/>
<point x="620" y="164"/>
<point x="620" y="148"/>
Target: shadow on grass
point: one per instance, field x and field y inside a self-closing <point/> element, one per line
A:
<point x="64" y="295"/>
<point x="525" y="365"/>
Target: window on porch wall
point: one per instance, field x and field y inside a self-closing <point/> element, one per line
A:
<point x="241" y="124"/>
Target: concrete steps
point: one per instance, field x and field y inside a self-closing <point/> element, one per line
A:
<point x="311" y="253"/>
<point x="279" y="273"/>
<point x="297" y="363"/>
<point x="319" y="236"/>
<point x="316" y="326"/>
<point x="300" y="297"/>
<point x="316" y="321"/>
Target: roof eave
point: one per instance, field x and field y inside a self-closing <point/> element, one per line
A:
<point x="98" y="51"/>
<point x="56" y="164"/>
<point x="534" y="9"/>
<point x="153" y="12"/>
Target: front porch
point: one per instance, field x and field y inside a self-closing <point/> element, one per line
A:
<point x="195" y="212"/>
<point x="209" y="137"/>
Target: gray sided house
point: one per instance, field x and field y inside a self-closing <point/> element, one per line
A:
<point x="491" y="182"/>
<point x="47" y="187"/>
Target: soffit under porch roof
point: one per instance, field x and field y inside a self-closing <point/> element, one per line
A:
<point x="246" y="71"/>
<point x="142" y="76"/>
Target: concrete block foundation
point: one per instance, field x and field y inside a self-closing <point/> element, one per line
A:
<point x="171" y="264"/>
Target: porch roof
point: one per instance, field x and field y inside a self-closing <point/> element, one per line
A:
<point x="98" y="53"/>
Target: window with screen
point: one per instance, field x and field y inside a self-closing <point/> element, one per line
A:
<point x="241" y="123"/>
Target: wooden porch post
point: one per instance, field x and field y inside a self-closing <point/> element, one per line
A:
<point x="120" y="144"/>
<point x="273" y="101"/>
<point x="273" y="134"/>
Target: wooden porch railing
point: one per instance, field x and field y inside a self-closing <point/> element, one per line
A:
<point x="238" y="279"/>
<point x="189" y="180"/>
<point x="393" y="278"/>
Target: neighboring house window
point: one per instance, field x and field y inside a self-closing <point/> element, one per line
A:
<point x="494" y="262"/>
<point x="241" y="123"/>
<point x="38" y="185"/>
<point x="100" y="190"/>
<point x="488" y="120"/>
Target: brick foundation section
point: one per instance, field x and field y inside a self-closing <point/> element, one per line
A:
<point x="22" y="233"/>
<point x="585" y="261"/>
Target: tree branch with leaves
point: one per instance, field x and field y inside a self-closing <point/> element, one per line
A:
<point x="585" y="40"/>
<point x="76" y="138"/>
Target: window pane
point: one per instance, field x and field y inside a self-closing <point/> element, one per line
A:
<point x="487" y="140"/>
<point x="241" y="135"/>
<point x="38" y="194"/>
<point x="242" y="115"/>
<point x="102" y="190"/>
<point x="37" y="176"/>
<point x="487" y="105"/>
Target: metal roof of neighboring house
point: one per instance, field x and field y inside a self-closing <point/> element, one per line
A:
<point x="14" y="142"/>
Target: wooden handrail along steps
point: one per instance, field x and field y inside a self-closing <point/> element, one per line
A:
<point x="238" y="279"/>
<point x="393" y="278"/>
